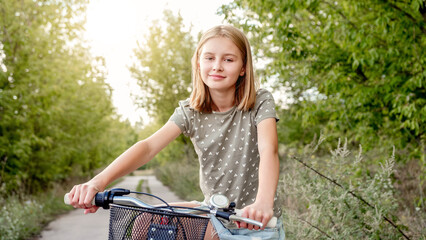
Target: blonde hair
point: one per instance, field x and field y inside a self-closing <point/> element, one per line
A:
<point x="246" y="85"/>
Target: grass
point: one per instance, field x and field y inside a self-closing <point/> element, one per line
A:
<point x="182" y="179"/>
<point x="331" y="203"/>
<point x="23" y="217"/>
<point x="143" y="187"/>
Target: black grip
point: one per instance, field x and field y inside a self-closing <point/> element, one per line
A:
<point x="103" y="199"/>
<point x="224" y="215"/>
<point x="119" y="191"/>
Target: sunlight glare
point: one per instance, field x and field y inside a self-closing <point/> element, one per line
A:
<point x="114" y="27"/>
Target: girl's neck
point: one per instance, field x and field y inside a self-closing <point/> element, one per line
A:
<point x="222" y="101"/>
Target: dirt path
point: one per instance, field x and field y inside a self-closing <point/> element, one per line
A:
<point x="76" y="225"/>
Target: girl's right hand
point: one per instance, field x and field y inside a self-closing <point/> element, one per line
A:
<point x="81" y="196"/>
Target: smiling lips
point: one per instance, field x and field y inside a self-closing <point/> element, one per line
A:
<point x="216" y="77"/>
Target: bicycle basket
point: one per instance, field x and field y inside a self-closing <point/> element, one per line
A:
<point x="144" y="223"/>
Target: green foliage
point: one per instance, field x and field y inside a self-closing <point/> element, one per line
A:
<point x="354" y="67"/>
<point x="56" y="116"/>
<point x="181" y="178"/>
<point x="180" y="150"/>
<point x="23" y="219"/>
<point x="339" y="197"/>
<point x="290" y="128"/>
<point x="163" y="66"/>
<point x="143" y="186"/>
<point x="163" y="71"/>
<point x="350" y="68"/>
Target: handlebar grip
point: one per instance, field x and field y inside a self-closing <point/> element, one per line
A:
<point x="271" y="224"/>
<point x="67" y="200"/>
<point x="103" y="199"/>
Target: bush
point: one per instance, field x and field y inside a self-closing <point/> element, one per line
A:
<point x="340" y="196"/>
<point x="182" y="178"/>
<point x="21" y="219"/>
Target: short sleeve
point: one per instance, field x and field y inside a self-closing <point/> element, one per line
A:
<point x="264" y="107"/>
<point x="182" y="117"/>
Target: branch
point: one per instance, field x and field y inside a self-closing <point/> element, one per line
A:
<point x="3" y="165"/>
<point x="423" y="10"/>
<point x="341" y="14"/>
<point x="317" y="228"/>
<point x="405" y="14"/>
<point x="351" y="193"/>
<point x="361" y="73"/>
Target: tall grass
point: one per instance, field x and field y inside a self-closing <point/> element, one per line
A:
<point x="345" y="194"/>
<point x="22" y="217"/>
<point x="25" y="216"/>
<point x="181" y="178"/>
<point x="341" y="196"/>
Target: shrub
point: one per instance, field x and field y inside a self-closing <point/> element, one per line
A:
<point x="21" y="219"/>
<point x="182" y="178"/>
<point x="341" y="196"/>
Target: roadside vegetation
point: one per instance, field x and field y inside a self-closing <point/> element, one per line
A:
<point x="23" y="217"/>
<point x="349" y="81"/>
<point x="57" y="121"/>
<point x="351" y="73"/>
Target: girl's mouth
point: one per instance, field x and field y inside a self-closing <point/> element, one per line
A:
<point x="217" y="77"/>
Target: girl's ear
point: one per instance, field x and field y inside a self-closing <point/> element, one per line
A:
<point x="243" y="71"/>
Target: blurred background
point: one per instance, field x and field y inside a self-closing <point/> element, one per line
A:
<point x="81" y="81"/>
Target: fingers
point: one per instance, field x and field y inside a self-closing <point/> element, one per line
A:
<point x="81" y="196"/>
<point x="90" y="194"/>
<point x="265" y="220"/>
<point x="75" y="196"/>
<point x="245" y="215"/>
<point x="252" y="214"/>
<point x="257" y="215"/>
<point x="91" y="210"/>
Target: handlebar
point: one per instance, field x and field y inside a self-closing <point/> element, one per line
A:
<point x="116" y="196"/>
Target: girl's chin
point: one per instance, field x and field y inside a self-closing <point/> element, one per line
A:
<point x="219" y="84"/>
<point x="220" y="87"/>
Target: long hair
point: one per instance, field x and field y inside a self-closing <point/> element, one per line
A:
<point x="246" y="85"/>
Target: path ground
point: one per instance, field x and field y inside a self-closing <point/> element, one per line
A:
<point x="76" y="225"/>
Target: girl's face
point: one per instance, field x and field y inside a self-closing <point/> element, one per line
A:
<point x="220" y="64"/>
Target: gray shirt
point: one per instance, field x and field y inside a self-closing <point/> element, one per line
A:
<point x="227" y="147"/>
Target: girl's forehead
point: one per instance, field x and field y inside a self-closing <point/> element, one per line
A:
<point x="220" y="45"/>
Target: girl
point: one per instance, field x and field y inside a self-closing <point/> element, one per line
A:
<point x="233" y="129"/>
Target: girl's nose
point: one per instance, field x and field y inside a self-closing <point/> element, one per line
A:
<point x="217" y="66"/>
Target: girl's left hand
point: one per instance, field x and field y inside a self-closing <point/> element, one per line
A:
<point x="260" y="212"/>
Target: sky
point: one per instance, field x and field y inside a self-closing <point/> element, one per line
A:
<point x="113" y="28"/>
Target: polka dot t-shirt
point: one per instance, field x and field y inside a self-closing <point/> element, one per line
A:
<point x="227" y="148"/>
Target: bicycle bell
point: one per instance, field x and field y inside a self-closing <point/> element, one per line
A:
<point x="219" y="201"/>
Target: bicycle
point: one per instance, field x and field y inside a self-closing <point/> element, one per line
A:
<point x="131" y="218"/>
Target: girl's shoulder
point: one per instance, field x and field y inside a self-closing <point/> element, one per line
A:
<point x="185" y="106"/>
<point x="264" y="106"/>
<point x="184" y="103"/>
<point x="262" y="95"/>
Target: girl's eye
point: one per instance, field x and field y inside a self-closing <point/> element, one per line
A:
<point x="229" y="60"/>
<point x="208" y="58"/>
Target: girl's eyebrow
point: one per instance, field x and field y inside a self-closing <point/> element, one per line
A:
<point x="226" y="54"/>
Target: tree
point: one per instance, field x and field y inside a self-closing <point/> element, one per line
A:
<point x="163" y="71"/>
<point x="56" y="116"/>
<point x="363" y="58"/>
<point x="354" y="68"/>
<point x="163" y="67"/>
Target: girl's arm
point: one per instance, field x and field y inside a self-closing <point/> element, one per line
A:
<point x="262" y="209"/>
<point x="137" y="155"/>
